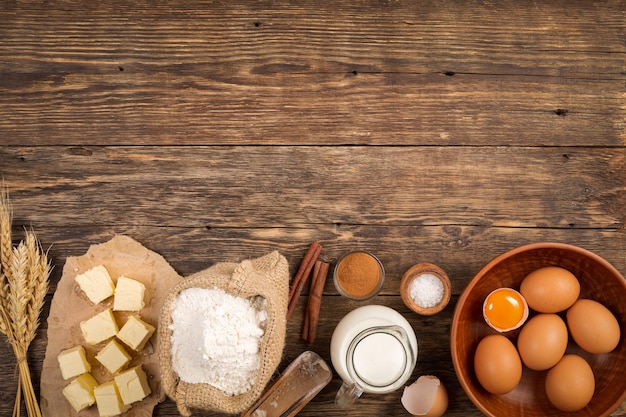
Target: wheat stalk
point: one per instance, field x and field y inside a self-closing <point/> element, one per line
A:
<point x="24" y="274"/>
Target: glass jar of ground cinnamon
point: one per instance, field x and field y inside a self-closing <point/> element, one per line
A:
<point x="359" y="275"/>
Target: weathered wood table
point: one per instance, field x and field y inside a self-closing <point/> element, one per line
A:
<point x="444" y="132"/>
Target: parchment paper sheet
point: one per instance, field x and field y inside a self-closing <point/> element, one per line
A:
<point x="121" y="256"/>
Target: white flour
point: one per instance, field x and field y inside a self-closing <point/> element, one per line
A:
<point x="215" y="338"/>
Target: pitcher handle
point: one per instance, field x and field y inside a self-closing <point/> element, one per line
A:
<point x="348" y="394"/>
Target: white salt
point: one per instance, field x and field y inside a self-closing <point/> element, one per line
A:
<point x="426" y="290"/>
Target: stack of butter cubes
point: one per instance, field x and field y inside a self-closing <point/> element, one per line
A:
<point x="127" y="385"/>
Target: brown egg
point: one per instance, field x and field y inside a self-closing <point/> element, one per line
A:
<point x="592" y="326"/>
<point x="497" y="364"/>
<point x="542" y="341"/>
<point x="550" y="289"/>
<point x="570" y="384"/>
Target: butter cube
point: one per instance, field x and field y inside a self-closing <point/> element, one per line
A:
<point x="108" y="400"/>
<point x="99" y="327"/>
<point x="133" y="385"/>
<point x="79" y="392"/>
<point x="128" y="295"/>
<point x="113" y="356"/>
<point x="135" y="333"/>
<point x="73" y="362"/>
<point x="96" y="283"/>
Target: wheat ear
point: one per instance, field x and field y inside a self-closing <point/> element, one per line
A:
<point x="6" y="243"/>
<point x="18" y="291"/>
<point x="4" y="292"/>
<point x="38" y="272"/>
<point x="6" y="250"/>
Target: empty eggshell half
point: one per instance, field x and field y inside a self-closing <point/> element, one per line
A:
<point x="426" y="397"/>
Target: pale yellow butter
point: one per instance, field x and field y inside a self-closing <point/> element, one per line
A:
<point x="129" y="295"/>
<point x="113" y="356"/>
<point x="135" y="333"/>
<point x="73" y="362"/>
<point x="99" y="327"/>
<point x="108" y="400"/>
<point x="80" y="392"/>
<point x="96" y="283"/>
<point x="133" y="385"/>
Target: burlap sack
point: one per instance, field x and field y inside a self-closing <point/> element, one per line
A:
<point x="268" y="277"/>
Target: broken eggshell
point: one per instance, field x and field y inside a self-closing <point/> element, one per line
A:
<point x="425" y="397"/>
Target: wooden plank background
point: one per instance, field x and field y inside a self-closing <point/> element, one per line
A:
<point x="426" y="131"/>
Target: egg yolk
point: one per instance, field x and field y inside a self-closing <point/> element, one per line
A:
<point x="504" y="308"/>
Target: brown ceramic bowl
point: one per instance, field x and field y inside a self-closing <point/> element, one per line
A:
<point x="407" y="280"/>
<point x="599" y="280"/>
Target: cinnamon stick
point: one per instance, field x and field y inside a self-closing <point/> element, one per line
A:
<point x="315" y="301"/>
<point x="302" y="275"/>
<point x="314" y="278"/>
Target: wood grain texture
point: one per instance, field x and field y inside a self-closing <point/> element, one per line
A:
<point x="427" y="131"/>
<point x="273" y="186"/>
<point x="310" y="73"/>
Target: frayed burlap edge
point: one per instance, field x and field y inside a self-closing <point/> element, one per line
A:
<point x="267" y="276"/>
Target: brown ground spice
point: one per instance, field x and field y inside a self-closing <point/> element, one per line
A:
<point x="359" y="274"/>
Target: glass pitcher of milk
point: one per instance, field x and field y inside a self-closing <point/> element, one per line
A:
<point x="374" y="350"/>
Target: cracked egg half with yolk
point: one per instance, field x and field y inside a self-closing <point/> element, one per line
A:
<point x="505" y="309"/>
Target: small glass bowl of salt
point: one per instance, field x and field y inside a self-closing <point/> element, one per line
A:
<point x="425" y="289"/>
